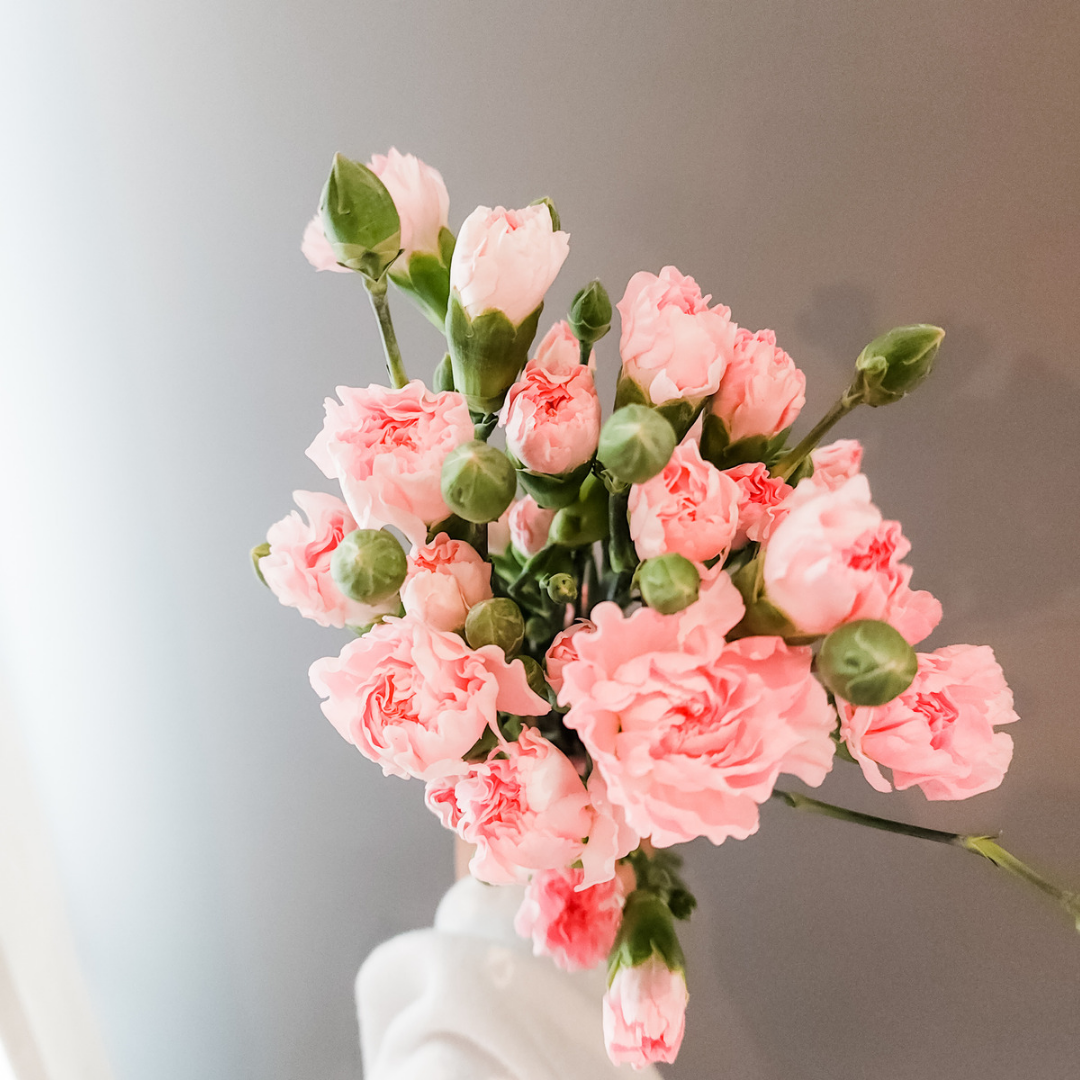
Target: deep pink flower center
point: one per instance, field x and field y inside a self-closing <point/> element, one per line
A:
<point x="874" y="550"/>
<point x="940" y="712"/>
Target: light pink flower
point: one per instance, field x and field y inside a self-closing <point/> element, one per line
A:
<point x="414" y="699"/>
<point x="762" y="391"/>
<point x="576" y="927"/>
<point x="561" y="651"/>
<point x="445" y="579"/>
<point x="422" y="202"/>
<point x="760" y="499"/>
<point x="298" y="566"/>
<point x="645" y="1014"/>
<point x="552" y="417"/>
<point x="673" y="345"/>
<point x="317" y="250"/>
<point x="559" y="351"/>
<point x="691" y="733"/>
<point x="836" y="462"/>
<point x="690" y="507"/>
<point x="499" y="533"/>
<point x="529" y="524"/>
<point x="386" y="447"/>
<point x="833" y="559"/>
<point x="939" y="733"/>
<point x="506" y="260"/>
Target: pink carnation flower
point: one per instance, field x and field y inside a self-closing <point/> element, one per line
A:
<point x="833" y="559"/>
<point x="645" y="1014"/>
<point x="422" y="202"/>
<point x="552" y="416"/>
<point x="673" y="345"/>
<point x="939" y="733"/>
<point x="562" y="651"/>
<point x="506" y="260"/>
<point x="560" y="352"/>
<point x="761" y="498"/>
<point x="691" y="733"/>
<point x="762" y="391"/>
<point x="529" y="524"/>
<point x="836" y="462"/>
<point x="414" y="699"/>
<point x="576" y="927"/>
<point x="317" y="250"/>
<point x="690" y="507"/>
<point x="445" y="579"/>
<point x="386" y="447"/>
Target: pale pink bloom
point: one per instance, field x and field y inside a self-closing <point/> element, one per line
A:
<point x="834" y="559"/>
<point x="690" y="507"/>
<point x="529" y="524"/>
<point x="499" y="533"/>
<point x="445" y="579"/>
<point x="645" y="1014"/>
<point x="673" y="345"/>
<point x="576" y="927"/>
<point x="506" y="260"/>
<point x="560" y="352"/>
<point x="691" y="733"/>
<point x="414" y="699"/>
<point x="836" y="462"/>
<point x="939" y="733"/>
<point x="386" y="448"/>
<point x="552" y="417"/>
<point x="762" y="391"/>
<point x="718" y="608"/>
<point x="298" y="566"/>
<point x="317" y="250"/>
<point x="422" y="202"/>
<point x="760" y="501"/>
<point x="561" y="651"/>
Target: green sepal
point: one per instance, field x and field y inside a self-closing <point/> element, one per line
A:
<point x="552" y="492"/>
<point x="443" y="378"/>
<point x="717" y="448"/>
<point x="426" y="280"/>
<point x="447" y="243"/>
<point x="585" y="521"/>
<point x="258" y="553"/>
<point x="894" y="364"/>
<point x="556" y="221"/>
<point x="647" y="929"/>
<point x="621" y="551"/>
<point x="483" y="746"/>
<point x="680" y="414"/>
<point x="359" y="218"/>
<point x="762" y="618"/>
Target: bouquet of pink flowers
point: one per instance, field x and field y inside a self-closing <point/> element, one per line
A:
<point x="611" y="637"/>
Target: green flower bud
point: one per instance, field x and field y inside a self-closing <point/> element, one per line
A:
<point x="894" y="364"/>
<point x="635" y="443"/>
<point x="495" y="622"/>
<point x="556" y="221"/>
<point x="360" y="219"/>
<point x="369" y="565"/>
<point x="866" y="662"/>
<point x="258" y="553"/>
<point x="668" y="583"/>
<point x="562" y="588"/>
<point x="585" y="520"/>
<point x="478" y="482"/>
<point x="443" y="379"/>
<point x="590" y="313"/>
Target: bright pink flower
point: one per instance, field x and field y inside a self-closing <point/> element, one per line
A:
<point x="939" y="733"/>
<point x="529" y="525"/>
<point x="560" y="352"/>
<point x="760" y="499"/>
<point x="420" y="196"/>
<point x="690" y="507"/>
<point x="673" y="345"/>
<point x="762" y="391"/>
<point x="445" y="579"/>
<point x="506" y="260"/>
<point x="562" y="651"/>
<point x="691" y="733"/>
<point x="552" y="417"/>
<point x="298" y="566"/>
<point x="317" y="250"/>
<point x="833" y="559"/>
<point x="414" y="699"/>
<point x="386" y="447"/>
<point x="645" y="1014"/>
<point x="576" y="927"/>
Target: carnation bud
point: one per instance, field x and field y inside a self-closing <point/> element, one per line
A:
<point x="590" y="313"/>
<point x="668" y="583"/>
<point x="894" y="364"/>
<point x="584" y="521"/>
<point x="359" y="219"/>
<point x="443" y="379"/>
<point x="369" y="565"/>
<point x="866" y="662"/>
<point x="495" y="622"/>
<point x="635" y="443"/>
<point x="478" y="482"/>
<point x="258" y="553"/>
<point x="562" y="588"/>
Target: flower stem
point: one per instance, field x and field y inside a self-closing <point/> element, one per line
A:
<point x="794" y="458"/>
<point x="986" y="846"/>
<point x="380" y="304"/>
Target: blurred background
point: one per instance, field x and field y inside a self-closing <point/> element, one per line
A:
<point x="828" y="168"/>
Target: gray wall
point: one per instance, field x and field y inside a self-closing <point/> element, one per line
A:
<point x="826" y="168"/>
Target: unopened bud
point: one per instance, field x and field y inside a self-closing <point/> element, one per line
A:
<point x="369" y="565"/>
<point x="478" y="482"/>
<point x="562" y="588"/>
<point x="668" y="583"/>
<point x="894" y="364"/>
<point x="359" y="218"/>
<point x="635" y="443"/>
<point x="866" y="662"/>
<point x="495" y="622"/>
<point x="584" y="521"/>
<point x="590" y="313"/>
<point x="258" y="553"/>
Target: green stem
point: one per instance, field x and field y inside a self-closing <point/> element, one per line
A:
<point x="794" y="458"/>
<point x="585" y="351"/>
<point x="381" y="306"/>
<point x="986" y="846"/>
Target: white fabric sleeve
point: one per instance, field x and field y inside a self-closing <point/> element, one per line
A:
<point x="467" y="1000"/>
